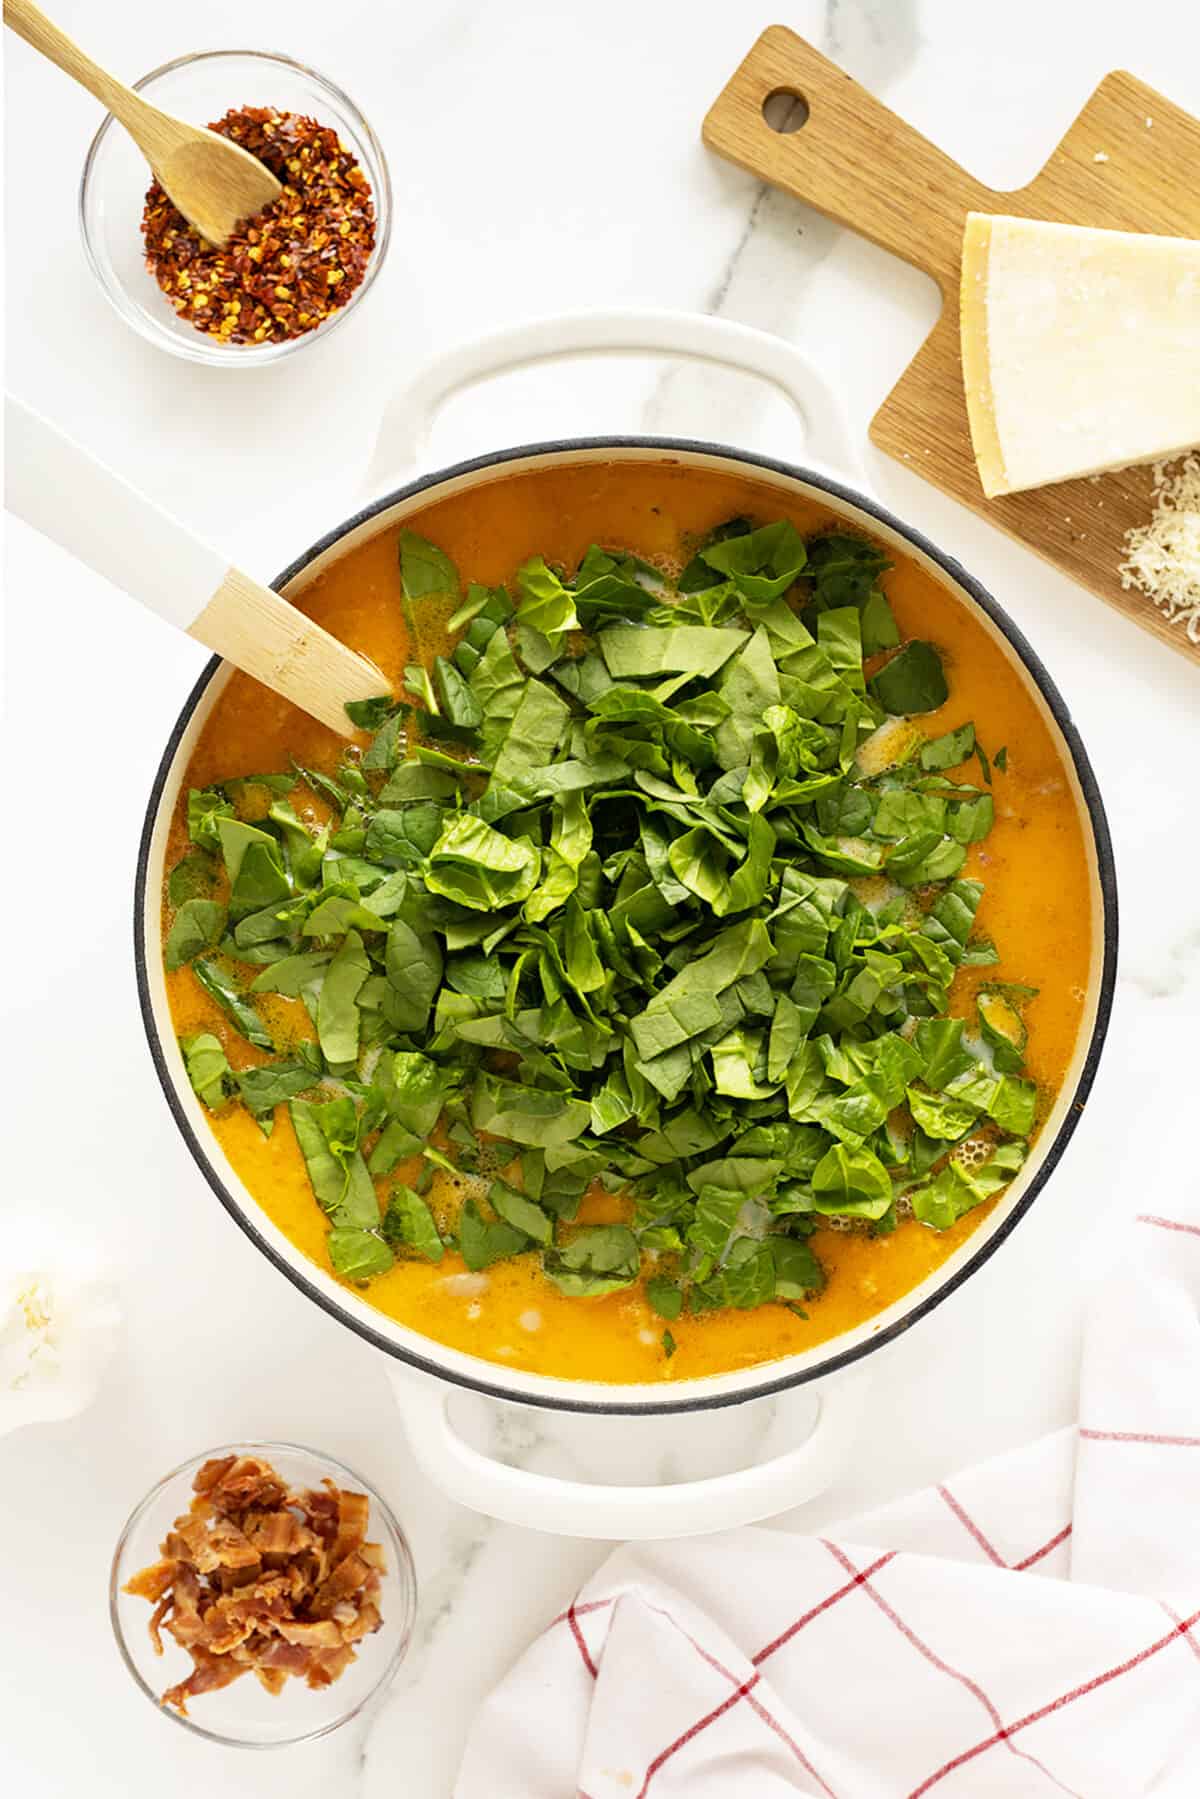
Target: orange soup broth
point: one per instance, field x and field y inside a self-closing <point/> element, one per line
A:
<point x="1036" y="909"/>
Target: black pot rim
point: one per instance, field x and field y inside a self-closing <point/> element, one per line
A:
<point x="837" y="1360"/>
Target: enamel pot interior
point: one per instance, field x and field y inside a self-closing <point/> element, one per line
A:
<point x="566" y="1395"/>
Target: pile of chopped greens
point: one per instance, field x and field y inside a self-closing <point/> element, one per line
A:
<point x="613" y="897"/>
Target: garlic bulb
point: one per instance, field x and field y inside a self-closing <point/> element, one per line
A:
<point x="57" y="1332"/>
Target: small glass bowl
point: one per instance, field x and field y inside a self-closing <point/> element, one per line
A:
<point x="243" y="1714"/>
<point x="202" y="88"/>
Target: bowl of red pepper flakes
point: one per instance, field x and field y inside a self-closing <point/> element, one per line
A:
<point x="289" y="276"/>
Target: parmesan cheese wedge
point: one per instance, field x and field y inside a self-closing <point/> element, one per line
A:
<point x="1080" y="349"/>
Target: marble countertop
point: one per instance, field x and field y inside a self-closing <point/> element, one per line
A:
<point x="545" y="157"/>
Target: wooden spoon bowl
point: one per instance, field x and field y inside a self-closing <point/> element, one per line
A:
<point x="214" y="183"/>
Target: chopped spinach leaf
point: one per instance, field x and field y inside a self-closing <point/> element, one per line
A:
<point x="368" y="715"/>
<point x="206" y="807"/>
<point x="198" y="926"/>
<point x="912" y="681"/>
<point x="612" y="933"/>
<point x="520" y="1212"/>
<point x="602" y="1258"/>
<point x="224" y="990"/>
<point x="207" y="1068"/>
<point x="948" y="751"/>
<point x="484" y="1241"/>
<point x="328" y="1136"/>
<point x="409" y="1221"/>
<point x="425" y="570"/>
<point x="194" y="876"/>
<point x="665" y="1296"/>
<point x="357" y="1254"/>
<point x="272" y="1084"/>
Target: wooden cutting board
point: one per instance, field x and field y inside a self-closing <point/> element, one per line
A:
<point x="1130" y="162"/>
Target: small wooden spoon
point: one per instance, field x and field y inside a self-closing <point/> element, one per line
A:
<point x="214" y="183"/>
<point x="61" y="490"/>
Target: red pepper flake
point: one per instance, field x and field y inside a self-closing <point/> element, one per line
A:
<point x="283" y="272"/>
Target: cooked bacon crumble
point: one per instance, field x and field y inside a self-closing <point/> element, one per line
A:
<point x="260" y="1577"/>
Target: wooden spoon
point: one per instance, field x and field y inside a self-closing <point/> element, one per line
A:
<point x="214" y="183"/>
<point x="56" y="486"/>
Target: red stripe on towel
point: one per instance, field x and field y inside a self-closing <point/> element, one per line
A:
<point x="970" y="1525"/>
<point x="964" y="1680"/>
<point x="694" y="1731"/>
<point x="573" y="1621"/>
<point x="1003" y="1735"/>
<point x="807" y="1618"/>
<point x="1061" y="1537"/>
<point x="1169" y="1224"/>
<point x="1138" y="1436"/>
<point x="755" y="1706"/>
<point x="1188" y="1638"/>
<point x="589" y="1605"/>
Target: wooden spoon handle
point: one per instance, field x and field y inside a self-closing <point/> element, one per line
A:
<point x="30" y="22"/>
<point x="64" y="492"/>
<point x="155" y="133"/>
<point x="853" y="158"/>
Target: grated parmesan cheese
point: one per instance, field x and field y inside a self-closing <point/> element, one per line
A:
<point x="1163" y="557"/>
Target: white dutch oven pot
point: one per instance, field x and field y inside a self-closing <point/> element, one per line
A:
<point x="426" y="1374"/>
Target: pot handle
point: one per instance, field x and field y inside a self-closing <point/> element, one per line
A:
<point x="402" y="444"/>
<point x="567" y="1508"/>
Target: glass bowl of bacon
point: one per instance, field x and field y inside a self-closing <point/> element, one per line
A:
<point x="262" y="1594"/>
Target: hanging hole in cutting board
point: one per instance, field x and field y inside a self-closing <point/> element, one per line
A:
<point x="784" y="110"/>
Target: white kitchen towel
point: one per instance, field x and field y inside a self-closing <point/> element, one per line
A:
<point x="1031" y="1627"/>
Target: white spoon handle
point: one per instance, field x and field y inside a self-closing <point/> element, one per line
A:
<point x="59" y="488"/>
<point x="65" y="493"/>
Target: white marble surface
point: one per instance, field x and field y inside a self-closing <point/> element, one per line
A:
<point x="545" y="157"/>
